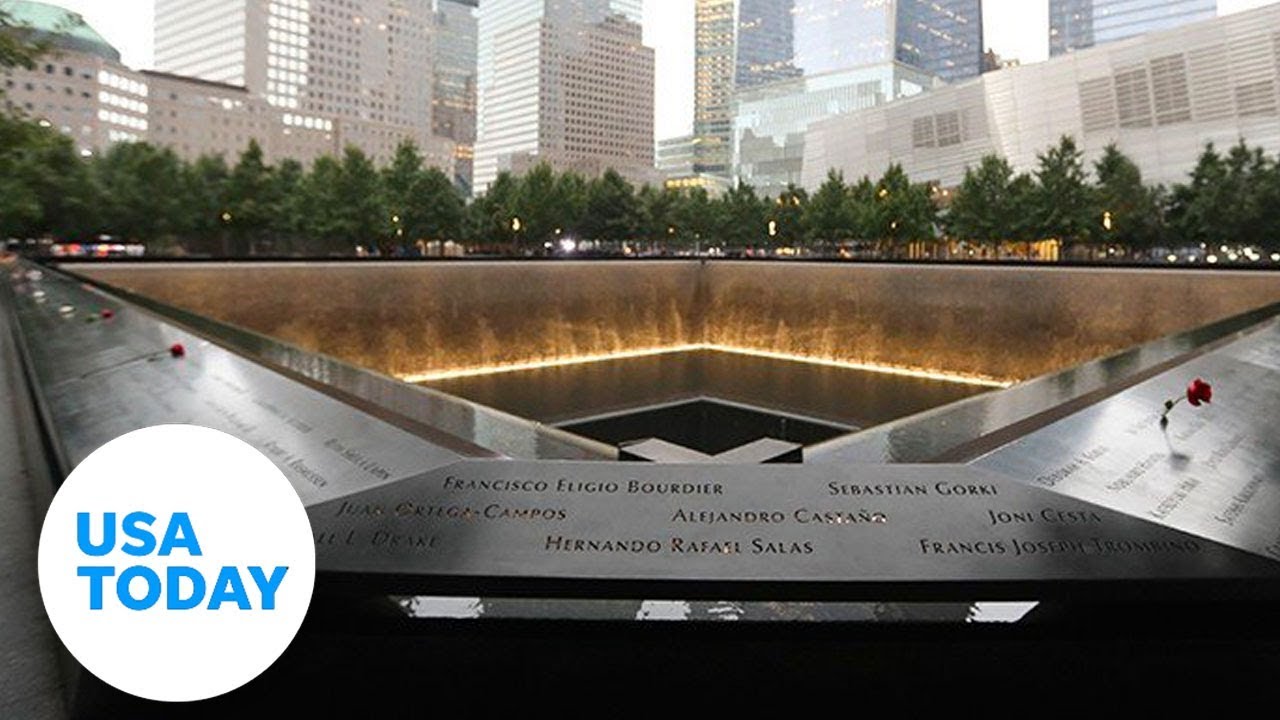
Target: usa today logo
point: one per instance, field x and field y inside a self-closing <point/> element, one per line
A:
<point x="176" y="563"/>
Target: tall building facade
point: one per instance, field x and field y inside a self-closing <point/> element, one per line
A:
<point x="359" y="62"/>
<point x="715" y="70"/>
<point x="1079" y="24"/>
<point x="1158" y="97"/>
<point x="805" y="60"/>
<point x="771" y="121"/>
<point x="940" y="37"/>
<point x="766" y="43"/>
<point x="85" y="92"/>
<point x="453" y="100"/>
<point x="568" y="82"/>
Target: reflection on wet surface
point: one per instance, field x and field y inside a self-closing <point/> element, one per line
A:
<point x="850" y="398"/>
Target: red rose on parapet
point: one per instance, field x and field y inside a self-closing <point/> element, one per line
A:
<point x="1199" y="393"/>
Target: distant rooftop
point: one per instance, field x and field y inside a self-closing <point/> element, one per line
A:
<point x="60" y="27"/>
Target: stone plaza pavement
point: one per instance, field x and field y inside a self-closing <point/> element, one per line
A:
<point x="31" y="684"/>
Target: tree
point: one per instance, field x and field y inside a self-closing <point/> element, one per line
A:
<point x="743" y="220"/>
<point x="320" y="207"/>
<point x="901" y="210"/>
<point x="658" y="210"/>
<point x="613" y="212"/>
<point x="251" y="201"/>
<point x="787" y="214"/>
<point x="828" y="216"/>
<point x="135" y="208"/>
<point x="203" y="190"/>
<point x="571" y="193"/>
<point x="697" y="217"/>
<point x="424" y="204"/>
<point x="539" y="207"/>
<point x="436" y="211"/>
<point x="45" y="187"/>
<point x="287" y="220"/>
<point x="1063" y="204"/>
<point x="491" y="214"/>
<point x="1244" y="214"/>
<point x="991" y="204"/>
<point x="398" y="181"/>
<point x="1128" y="206"/>
<point x="21" y="210"/>
<point x="362" y="216"/>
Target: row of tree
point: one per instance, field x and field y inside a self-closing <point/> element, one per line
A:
<point x="140" y="192"/>
<point x="145" y="193"/>
<point x="1228" y="198"/>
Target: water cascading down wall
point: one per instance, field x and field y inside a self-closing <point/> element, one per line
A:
<point x="420" y="321"/>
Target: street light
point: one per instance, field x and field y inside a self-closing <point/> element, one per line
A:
<point x="773" y="228"/>
<point x="515" y="224"/>
<point x="1106" y="221"/>
<point x="226" y="217"/>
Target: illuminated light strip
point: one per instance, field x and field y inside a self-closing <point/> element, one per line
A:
<point x="902" y="371"/>
<point x="542" y="364"/>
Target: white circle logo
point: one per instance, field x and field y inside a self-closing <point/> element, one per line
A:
<point x="176" y="563"/>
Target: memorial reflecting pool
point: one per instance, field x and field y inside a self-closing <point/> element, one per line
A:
<point x="681" y="394"/>
<point x="611" y="350"/>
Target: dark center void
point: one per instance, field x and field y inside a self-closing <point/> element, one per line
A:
<point x="708" y="426"/>
<point x="840" y="398"/>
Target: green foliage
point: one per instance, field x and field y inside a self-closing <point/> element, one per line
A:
<point x="135" y="206"/>
<point x="613" y="212"/>
<point x="697" y="217"/>
<point x="45" y="188"/>
<point x="492" y="213"/>
<point x="251" y="201"/>
<point x="423" y="202"/>
<point x="142" y="193"/>
<point x="829" y="216"/>
<point x="17" y="50"/>
<point x="992" y="204"/>
<point x="742" y="219"/>
<point x="787" y="215"/>
<point x="1130" y="207"/>
<point x="1229" y="199"/>
<point x="1064" y="206"/>
<point x="539" y="207"/>
<point x="901" y="210"/>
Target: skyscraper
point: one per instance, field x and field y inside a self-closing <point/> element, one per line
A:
<point x="1078" y="24"/>
<point x="715" y="66"/>
<point x="362" y="62"/>
<point x="811" y="54"/>
<point x="766" y="43"/>
<point x="941" y="37"/>
<point x="568" y="82"/>
<point x="453" y="98"/>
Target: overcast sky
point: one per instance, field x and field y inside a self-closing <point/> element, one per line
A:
<point x="1014" y="29"/>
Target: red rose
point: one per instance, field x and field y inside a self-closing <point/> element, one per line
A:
<point x="1199" y="392"/>
<point x="177" y="350"/>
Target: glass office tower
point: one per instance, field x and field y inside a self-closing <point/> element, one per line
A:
<point x="746" y="45"/>
<point x="1078" y="24"/>
<point x="941" y="37"/>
